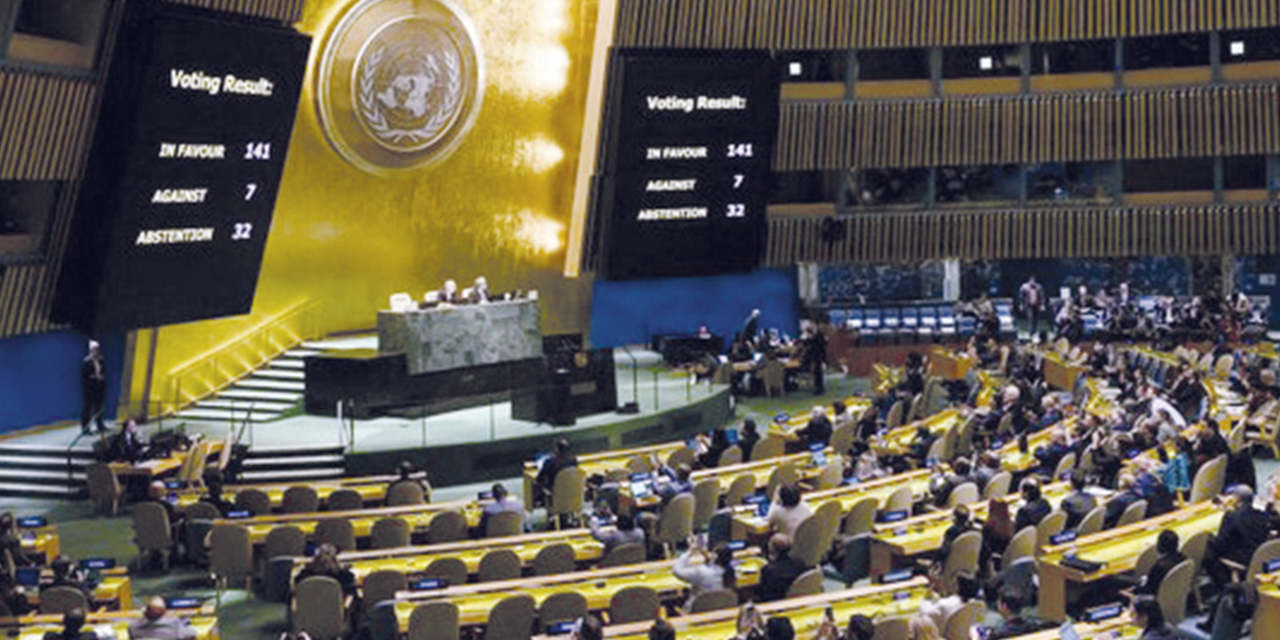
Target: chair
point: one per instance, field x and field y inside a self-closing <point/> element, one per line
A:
<point x="632" y="553"/>
<point x="998" y="486"/>
<point x="452" y="570"/>
<point x="62" y="600"/>
<point x="447" y="526"/>
<point x="344" y="500"/>
<point x="963" y="556"/>
<point x="152" y="532"/>
<point x="562" y="606"/>
<point x="938" y="450"/>
<point x="1145" y="561"/>
<point x="768" y="447"/>
<point x="895" y="415"/>
<point x="1209" y="480"/>
<point x="956" y="626"/>
<point x="829" y="512"/>
<point x="900" y="500"/>
<point x="230" y="554"/>
<point x="436" y="620"/>
<point x="732" y="455"/>
<point x="831" y="475"/>
<point x="633" y="604"/>
<point x="285" y="540"/>
<point x="506" y="523"/>
<point x="741" y="487"/>
<point x="406" y="493"/>
<point x="713" y="600"/>
<point x="808" y="583"/>
<point x="785" y="473"/>
<point x="706" y="499"/>
<point x="104" y="488"/>
<point x="300" y="499"/>
<point x="1021" y="545"/>
<point x="774" y="376"/>
<point x="1174" y="589"/>
<point x="861" y="517"/>
<point x="681" y="456"/>
<point x="1092" y="522"/>
<point x="675" y="525"/>
<point x="1065" y="465"/>
<point x="554" y="559"/>
<point x="891" y="629"/>
<point x="1266" y="552"/>
<point x="1194" y="547"/>
<point x="388" y="533"/>
<point x="1133" y="513"/>
<point x="566" y="497"/>
<point x="382" y="585"/>
<point x="843" y="436"/>
<point x="202" y="511"/>
<point x="807" y="546"/>
<point x="966" y="493"/>
<point x="337" y="532"/>
<point x="254" y="501"/>
<point x="1050" y="526"/>
<point x="318" y="608"/>
<point x="499" y="564"/>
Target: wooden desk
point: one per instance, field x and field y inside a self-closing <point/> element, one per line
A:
<point x="949" y="364"/>
<point x="33" y="627"/>
<point x="897" y="441"/>
<point x="900" y="600"/>
<point x="1118" y="549"/>
<point x="419" y="517"/>
<point x="373" y="489"/>
<point x="148" y="469"/>
<point x="1118" y="626"/>
<point x="414" y="559"/>
<point x="475" y="601"/>
<point x="1060" y="373"/>
<point x="1267" y="615"/>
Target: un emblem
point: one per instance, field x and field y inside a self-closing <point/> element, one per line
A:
<point x="399" y="84"/>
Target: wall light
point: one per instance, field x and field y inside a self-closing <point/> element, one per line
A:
<point x="986" y="63"/>
<point x="795" y="69"/>
<point x="1237" y="47"/>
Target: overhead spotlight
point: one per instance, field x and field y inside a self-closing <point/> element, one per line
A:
<point x="986" y="63"/>
<point x="795" y="69"/>
<point x="1237" y="47"/>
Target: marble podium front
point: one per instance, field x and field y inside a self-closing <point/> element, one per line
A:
<point x="461" y="336"/>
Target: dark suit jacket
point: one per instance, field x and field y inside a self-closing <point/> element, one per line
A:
<point x="1241" y="533"/>
<point x="776" y="577"/>
<point x="1031" y="514"/>
<point x="1150" y="584"/>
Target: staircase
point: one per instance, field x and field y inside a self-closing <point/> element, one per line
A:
<point x="260" y="396"/>
<point x="41" y="471"/>
<point x="293" y="464"/>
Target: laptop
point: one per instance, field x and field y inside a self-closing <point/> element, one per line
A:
<point x="32" y="522"/>
<point x="27" y="576"/>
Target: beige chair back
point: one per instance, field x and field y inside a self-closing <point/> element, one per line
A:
<point x="1022" y="545"/>
<point x="511" y="619"/>
<point x="285" y="540"/>
<point x="499" y="564"/>
<point x="808" y="583"/>
<point x="741" y="487"/>
<point x="861" y="517"/>
<point x="1174" y="590"/>
<point x="382" y="585"/>
<point x="1146" y="560"/>
<point x="452" y="570"/>
<point x="201" y="511"/>
<point x="406" y="493"/>
<point x="957" y="625"/>
<point x="713" y="600"/>
<point x="104" y="488"/>
<point x="891" y="629"/>
<point x="900" y="500"/>
<point x="1092" y="522"/>
<point x="896" y="415"/>
<point x="300" y="499"/>
<point x="1209" y="480"/>
<point x="732" y="455"/>
<point x="706" y="499"/>
<point x="506" y="523"/>
<point x="230" y="553"/>
<point x="998" y="486"/>
<point x="151" y="530"/>
<point x="1133" y="513"/>
<point x="344" y="500"/>
<point x="785" y="473"/>
<point x="562" y="606"/>
<point x="624" y="554"/>
<point x="389" y="533"/>
<point x="681" y="456"/>
<point x="1266" y="552"/>
<point x="774" y="376"/>
<point x="1195" y="546"/>
<point x="963" y="557"/>
<point x="1065" y="465"/>
<point x="1050" y="526"/>
<point x="254" y="501"/>
<point x="938" y="450"/>
<point x="807" y="545"/>
<point x="829" y="512"/>
<point x="337" y="532"/>
<point x="62" y="599"/>
<point x="435" y="620"/>
<point x="567" y="496"/>
<point x="633" y="604"/>
<point x="447" y="526"/>
<point x="966" y="493"/>
<point x="675" y="525"/>
<point x="554" y="559"/>
<point x="843" y="436"/>
<point x="768" y="447"/>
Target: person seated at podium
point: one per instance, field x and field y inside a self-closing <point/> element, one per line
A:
<point x="479" y="293"/>
<point x="788" y="510"/>
<point x="13" y="597"/>
<point x="781" y="570"/>
<point x="748" y="438"/>
<point x="562" y="457"/>
<point x="325" y="563"/>
<point x="715" y="446"/>
<point x="11" y="542"/>
<point x="1035" y="507"/>
<point x="66" y="575"/>
<point x="816" y="432"/>
<point x="213" y="492"/>
<point x="1080" y="502"/>
<point x="623" y="532"/>
<point x="409" y="475"/>
<point x="1168" y="557"/>
<point x="130" y="445"/>
<point x="72" y="627"/>
<point x="156" y="625"/>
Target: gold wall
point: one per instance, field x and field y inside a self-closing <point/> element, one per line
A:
<point x="344" y="239"/>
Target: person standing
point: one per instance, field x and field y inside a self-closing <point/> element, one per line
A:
<point x="93" y="387"/>
<point x="815" y="357"/>
<point x="1031" y="299"/>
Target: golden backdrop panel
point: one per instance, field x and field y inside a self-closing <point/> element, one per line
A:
<point x="365" y="212"/>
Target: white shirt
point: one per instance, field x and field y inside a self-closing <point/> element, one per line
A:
<point x="787" y="520"/>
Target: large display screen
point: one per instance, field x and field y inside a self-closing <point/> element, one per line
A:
<point x="686" y="172"/>
<point x="172" y="222"/>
